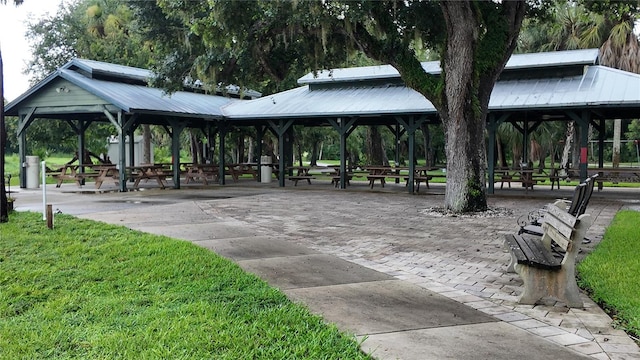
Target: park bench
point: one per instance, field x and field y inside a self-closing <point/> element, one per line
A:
<point x="545" y="272"/>
<point x="576" y="207"/>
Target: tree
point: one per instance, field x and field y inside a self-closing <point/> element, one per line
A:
<point x="273" y="40"/>
<point x="4" y="204"/>
<point x="621" y="50"/>
<point x="104" y="30"/>
<point x="565" y="25"/>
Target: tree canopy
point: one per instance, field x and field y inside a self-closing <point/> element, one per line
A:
<point x="275" y="41"/>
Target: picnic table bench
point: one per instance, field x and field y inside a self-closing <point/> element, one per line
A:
<point x="302" y="173"/>
<point x="382" y="173"/>
<point x="423" y="175"/>
<point x="99" y="173"/>
<point x="527" y="177"/>
<point x="545" y="272"/>
<point x="202" y="172"/>
<point x="615" y="175"/>
<point x="149" y="172"/>
<point x="240" y="169"/>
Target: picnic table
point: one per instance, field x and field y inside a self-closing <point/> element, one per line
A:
<point x="615" y="175"/>
<point x="382" y="173"/>
<point x="79" y="173"/>
<point x="301" y="173"/>
<point x="202" y="172"/>
<point x="147" y="172"/>
<point x="106" y="172"/>
<point x="239" y="169"/>
<point x="528" y="177"/>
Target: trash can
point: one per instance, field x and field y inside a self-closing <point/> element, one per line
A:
<point x="265" y="169"/>
<point x="32" y="172"/>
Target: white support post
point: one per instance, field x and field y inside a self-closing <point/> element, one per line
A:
<point x="44" y="189"/>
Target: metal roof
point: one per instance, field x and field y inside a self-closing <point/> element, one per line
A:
<point x="138" y="98"/>
<point x="132" y="98"/>
<point x="599" y="86"/>
<point x="303" y="102"/>
<point x="553" y="59"/>
<point x="102" y="68"/>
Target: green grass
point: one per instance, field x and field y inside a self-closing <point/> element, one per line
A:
<point x="12" y="166"/>
<point x="96" y="291"/>
<point x="612" y="272"/>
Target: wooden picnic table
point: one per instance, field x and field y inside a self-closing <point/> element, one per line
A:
<point x="302" y="173"/>
<point x="239" y="169"/>
<point x="105" y="172"/>
<point x="528" y="177"/>
<point x="615" y="175"/>
<point x="148" y="172"/>
<point x="78" y="173"/>
<point x="202" y="172"/>
<point x="381" y="173"/>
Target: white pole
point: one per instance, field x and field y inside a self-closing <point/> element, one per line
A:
<point x="44" y="189"/>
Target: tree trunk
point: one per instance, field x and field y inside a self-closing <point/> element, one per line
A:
<point x="193" y="147"/>
<point x="241" y="149"/>
<point x="250" y="150"/>
<point x="566" y="150"/>
<point x="377" y="155"/>
<point x="314" y="153"/>
<point x="463" y="121"/>
<point x="428" y="145"/>
<point x="617" y="130"/>
<point x="575" y="147"/>
<point x="4" y="204"/>
<point x="146" y="144"/>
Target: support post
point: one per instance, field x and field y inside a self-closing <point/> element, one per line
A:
<point x="176" y="130"/>
<point x="222" y="132"/>
<point x="259" y="140"/>
<point x="280" y="128"/>
<point x="344" y="127"/>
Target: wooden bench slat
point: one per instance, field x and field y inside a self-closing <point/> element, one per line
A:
<point x="536" y="254"/>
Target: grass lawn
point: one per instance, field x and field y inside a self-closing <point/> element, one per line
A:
<point x="611" y="273"/>
<point x="98" y="291"/>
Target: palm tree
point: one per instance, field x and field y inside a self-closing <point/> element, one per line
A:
<point x="621" y="51"/>
<point x="4" y="204"/>
<point x="569" y="26"/>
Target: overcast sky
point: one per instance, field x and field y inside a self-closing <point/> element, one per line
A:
<point x="15" y="48"/>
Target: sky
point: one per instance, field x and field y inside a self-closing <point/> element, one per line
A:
<point x="14" y="45"/>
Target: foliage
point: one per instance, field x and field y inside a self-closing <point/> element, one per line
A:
<point x="610" y="272"/>
<point x="276" y="40"/>
<point x="102" y="30"/>
<point x="92" y="290"/>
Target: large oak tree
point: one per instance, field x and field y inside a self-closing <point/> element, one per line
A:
<point x="262" y="42"/>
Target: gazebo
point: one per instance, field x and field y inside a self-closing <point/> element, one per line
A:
<point x="533" y="88"/>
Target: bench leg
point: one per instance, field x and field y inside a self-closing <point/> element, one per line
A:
<point x="539" y="283"/>
<point x="511" y="268"/>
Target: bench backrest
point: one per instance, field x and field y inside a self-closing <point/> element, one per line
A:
<point x="578" y="197"/>
<point x="564" y="228"/>
<point x="587" y="196"/>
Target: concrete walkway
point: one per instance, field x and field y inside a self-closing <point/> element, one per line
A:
<point x="384" y="265"/>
